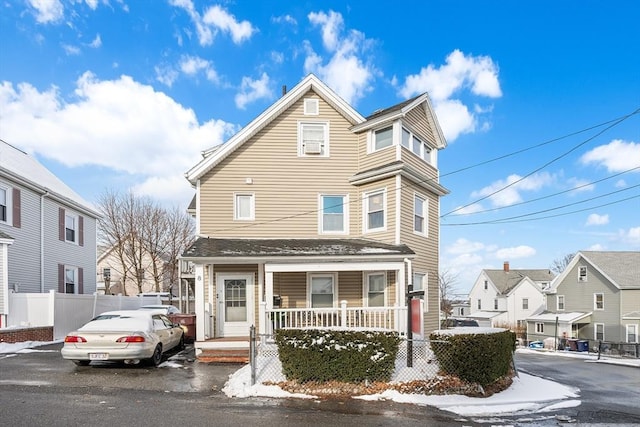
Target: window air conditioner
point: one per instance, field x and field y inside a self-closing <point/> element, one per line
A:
<point x="312" y="147"/>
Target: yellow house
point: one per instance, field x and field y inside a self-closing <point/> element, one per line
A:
<point x="313" y="215"/>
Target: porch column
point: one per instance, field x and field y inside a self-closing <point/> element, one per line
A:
<point x="268" y="303"/>
<point x="200" y="302"/>
<point x="400" y="299"/>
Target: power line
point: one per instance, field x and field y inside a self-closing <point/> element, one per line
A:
<point x="547" y="196"/>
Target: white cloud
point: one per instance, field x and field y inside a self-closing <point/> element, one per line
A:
<point x="345" y="71"/>
<point x="47" y="11"/>
<point x="93" y="4"/>
<point x="583" y="185"/>
<point x="277" y="57"/>
<point x="215" y="19"/>
<point x="97" y="42"/>
<point x="118" y="124"/>
<point x="478" y="74"/>
<point x="621" y="183"/>
<point x="505" y="196"/>
<point x="468" y="210"/>
<point x="596" y="247"/>
<point x="192" y="65"/>
<point x="252" y="90"/>
<point x="463" y="246"/>
<point x="516" y="252"/>
<point x="616" y="156"/>
<point x="632" y="236"/>
<point x="165" y="75"/>
<point x="595" y="219"/>
<point x="284" y="19"/>
<point x="71" y="50"/>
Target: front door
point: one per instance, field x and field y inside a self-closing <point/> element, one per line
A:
<point x="235" y="304"/>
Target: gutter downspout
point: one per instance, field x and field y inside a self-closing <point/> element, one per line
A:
<point x="46" y="194"/>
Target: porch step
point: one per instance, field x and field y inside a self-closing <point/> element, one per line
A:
<point x="226" y="355"/>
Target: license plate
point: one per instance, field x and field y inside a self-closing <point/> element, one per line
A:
<point x="99" y="356"/>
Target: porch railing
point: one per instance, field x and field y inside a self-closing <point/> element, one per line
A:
<point x="381" y="318"/>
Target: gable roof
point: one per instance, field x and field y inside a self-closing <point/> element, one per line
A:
<point x="26" y="170"/>
<point x="311" y="82"/>
<point x="621" y="268"/>
<point x="402" y="109"/>
<point x="506" y="281"/>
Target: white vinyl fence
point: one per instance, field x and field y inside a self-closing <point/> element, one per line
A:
<point x="66" y="312"/>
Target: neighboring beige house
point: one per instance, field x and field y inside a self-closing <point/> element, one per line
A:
<point x="596" y="298"/>
<point x="313" y="215"/>
<point x="508" y="297"/>
<point x="110" y="268"/>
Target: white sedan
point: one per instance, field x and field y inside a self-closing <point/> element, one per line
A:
<point x="166" y="309"/>
<point x="127" y="335"/>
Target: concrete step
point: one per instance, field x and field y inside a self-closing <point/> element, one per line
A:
<point x="227" y="355"/>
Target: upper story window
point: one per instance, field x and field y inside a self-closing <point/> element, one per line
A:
<point x="313" y="139"/>
<point x="598" y="301"/>
<point x="560" y="302"/>
<point x="374" y="209"/>
<point x="420" y="214"/>
<point x="333" y="213"/>
<point x="244" y="207"/>
<point x="416" y="145"/>
<point x="582" y="274"/>
<point x="406" y="139"/>
<point x="486" y="285"/>
<point x="375" y="286"/>
<point x="70" y="228"/>
<point x="383" y="138"/>
<point x="4" y="204"/>
<point x="479" y="304"/>
<point x="525" y="303"/>
<point x="311" y="107"/>
<point x="495" y="304"/>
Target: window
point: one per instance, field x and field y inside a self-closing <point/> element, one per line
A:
<point x="244" y="207"/>
<point x="525" y="303"/>
<point x="313" y="139"/>
<point x="598" y="331"/>
<point x="4" y="204"/>
<point x="322" y="290"/>
<point x="495" y="304"/>
<point x="311" y="107"/>
<point x="376" y="284"/>
<point x="479" y="304"/>
<point x="70" y="228"/>
<point x="406" y="139"/>
<point x="70" y="276"/>
<point x="374" y="207"/>
<point x="383" y="138"/>
<point x="486" y="285"/>
<point x="461" y="311"/>
<point x="598" y="301"/>
<point x="632" y="333"/>
<point x="420" y="214"/>
<point x="106" y="273"/>
<point x="420" y="283"/>
<point x="333" y="213"/>
<point x="582" y="274"/>
<point x="560" y="301"/>
<point x="539" y="328"/>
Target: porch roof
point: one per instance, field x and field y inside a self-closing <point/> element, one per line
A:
<point x="280" y="249"/>
<point x="568" y="317"/>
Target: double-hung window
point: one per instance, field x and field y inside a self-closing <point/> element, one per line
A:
<point x="70" y="228"/>
<point x="539" y="328"/>
<point x="420" y="283"/>
<point x="560" y="302"/>
<point x="632" y="333"/>
<point x="479" y="304"/>
<point x="333" y="214"/>
<point x="4" y="204"/>
<point x="582" y="274"/>
<point x="495" y="304"/>
<point x="375" y="283"/>
<point x="598" y="331"/>
<point x="70" y="279"/>
<point x="383" y="138"/>
<point x="244" y="207"/>
<point x="420" y="214"/>
<point x="313" y="139"/>
<point x="322" y="290"/>
<point x="525" y="303"/>
<point x="374" y="208"/>
<point x="598" y="301"/>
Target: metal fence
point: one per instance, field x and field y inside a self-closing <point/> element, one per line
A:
<point x="422" y="365"/>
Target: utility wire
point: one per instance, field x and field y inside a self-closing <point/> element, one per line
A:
<point x="547" y="196"/>
<point x="555" y="159"/>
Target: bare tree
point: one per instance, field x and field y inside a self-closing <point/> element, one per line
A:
<point x="447" y="281"/>
<point x="179" y="236"/>
<point x="559" y="264"/>
<point x="113" y="231"/>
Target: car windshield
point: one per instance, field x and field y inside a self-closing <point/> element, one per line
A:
<point x="116" y="323"/>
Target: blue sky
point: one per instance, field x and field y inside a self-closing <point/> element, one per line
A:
<point x="538" y="97"/>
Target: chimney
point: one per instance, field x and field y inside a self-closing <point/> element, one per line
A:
<point x="506" y="266"/>
<point x="284" y="90"/>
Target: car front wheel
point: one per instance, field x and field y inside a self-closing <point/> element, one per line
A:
<point x="157" y="356"/>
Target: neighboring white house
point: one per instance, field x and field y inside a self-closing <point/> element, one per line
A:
<point x="508" y="297"/>
<point x="50" y="228"/>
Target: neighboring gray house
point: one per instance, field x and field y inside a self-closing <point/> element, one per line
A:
<point x="53" y="231"/>
<point x="597" y="298"/>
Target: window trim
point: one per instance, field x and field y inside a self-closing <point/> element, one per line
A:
<point x="325" y="144"/>
<point x="582" y="277"/>
<point x="495" y="304"/>
<point x="425" y="214"/>
<point x="252" y="206"/>
<point x="365" y="210"/>
<point x="595" y="301"/>
<point x="75" y="278"/>
<point x="307" y="111"/>
<point x="626" y="335"/>
<point x="366" y="290"/>
<point x="8" y="191"/>
<point x="479" y="304"/>
<point x="424" y="286"/>
<point x="525" y="303"/>
<point x="539" y="327"/>
<point x="595" y="331"/>
<point x="76" y="227"/>
<point x="558" y="302"/>
<point x="425" y="151"/>
<point x="374" y="132"/>
<point x="345" y="214"/>
<point x="334" y="278"/>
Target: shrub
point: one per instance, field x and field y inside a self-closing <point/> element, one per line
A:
<point x="334" y="355"/>
<point x="476" y="357"/>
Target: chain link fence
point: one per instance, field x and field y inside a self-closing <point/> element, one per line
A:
<point x="415" y="361"/>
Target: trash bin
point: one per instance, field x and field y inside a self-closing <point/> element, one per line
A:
<point x="573" y="345"/>
<point x="583" y="345"/>
<point x="188" y="323"/>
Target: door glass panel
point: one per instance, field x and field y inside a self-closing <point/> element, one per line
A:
<point x="235" y="300"/>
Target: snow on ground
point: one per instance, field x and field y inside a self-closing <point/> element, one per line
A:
<point x="527" y="394"/>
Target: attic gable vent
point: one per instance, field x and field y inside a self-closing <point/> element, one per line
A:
<point x="311" y="107"/>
